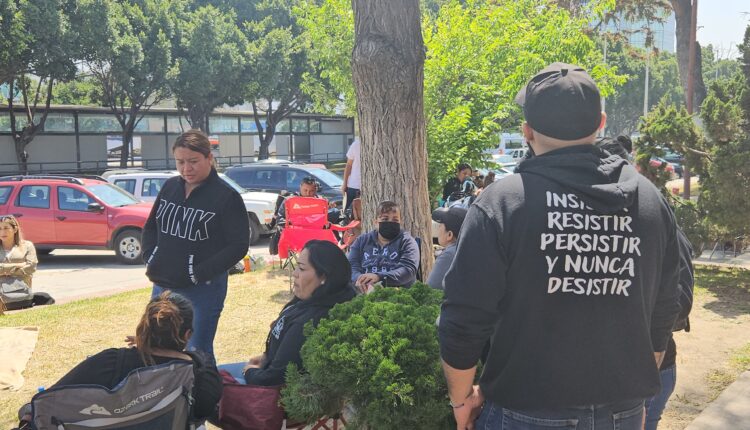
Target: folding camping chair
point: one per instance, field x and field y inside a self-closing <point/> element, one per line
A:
<point x="306" y="220"/>
<point x="150" y="398"/>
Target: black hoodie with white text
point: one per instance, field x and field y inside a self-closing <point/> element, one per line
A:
<point x="569" y="269"/>
<point x="191" y="240"/>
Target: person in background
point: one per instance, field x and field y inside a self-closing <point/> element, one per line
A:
<point x="352" y="174"/>
<point x="449" y="225"/>
<point x="388" y="255"/>
<point x="17" y="262"/>
<point x="490" y="178"/>
<point x="308" y="187"/>
<point x="668" y="369"/>
<point x="454" y="187"/>
<point x="321" y="280"/>
<point x="194" y="234"/>
<point x="161" y="336"/>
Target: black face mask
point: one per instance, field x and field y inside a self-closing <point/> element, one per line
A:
<point x="389" y="229"/>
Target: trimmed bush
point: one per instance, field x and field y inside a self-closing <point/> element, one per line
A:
<point x="379" y="354"/>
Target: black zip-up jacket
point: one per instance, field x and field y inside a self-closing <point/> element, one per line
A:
<point x="287" y="336"/>
<point x="569" y="269"/>
<point x="187" y="241"/>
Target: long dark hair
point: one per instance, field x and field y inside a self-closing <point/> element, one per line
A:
<point x="167" y="319"/>
<point x="329" y="262"/>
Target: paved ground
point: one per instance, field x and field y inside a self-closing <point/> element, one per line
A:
<point x="731" y="410"/>
<point x="73" y="274"/>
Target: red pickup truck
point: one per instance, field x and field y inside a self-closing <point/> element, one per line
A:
<point x="75" y="212"/>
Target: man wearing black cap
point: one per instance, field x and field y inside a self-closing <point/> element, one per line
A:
<point x="569" y="270"/>
<point x="449" y="224"/>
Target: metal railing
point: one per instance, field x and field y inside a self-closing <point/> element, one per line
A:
<point x="100" y="166"/>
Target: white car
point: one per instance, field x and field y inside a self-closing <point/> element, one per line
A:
<point x="145" y="185"/>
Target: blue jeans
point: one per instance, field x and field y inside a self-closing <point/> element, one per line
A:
<point x="655" y="405"/>
<point x="208" y="302"/>
<point x="618" y="416"/>
<point x="235" y="369"/>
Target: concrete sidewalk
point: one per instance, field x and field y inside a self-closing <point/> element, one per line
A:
<point x="724" y="259"/>
<point x="730" y="411"/>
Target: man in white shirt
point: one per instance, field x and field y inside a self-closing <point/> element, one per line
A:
<point x="352" y="174"/>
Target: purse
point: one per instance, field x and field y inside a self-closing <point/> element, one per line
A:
<point x="249" y="407"/>
<point x="15" y="292"/>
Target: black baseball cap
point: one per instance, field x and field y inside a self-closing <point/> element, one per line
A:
<point x="562" y="102"/>
<point x="451" y="217"/>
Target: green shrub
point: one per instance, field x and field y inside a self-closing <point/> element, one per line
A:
<point x="380" y="354"/>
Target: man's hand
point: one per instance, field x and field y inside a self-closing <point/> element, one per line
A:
<point x="366" y="280"/>
<point x="469" y="412"/>
<point x="343" y="187"/>
<point x="257" y="360"/>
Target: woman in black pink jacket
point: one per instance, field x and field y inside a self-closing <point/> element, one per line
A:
<point x="196" y="231"/>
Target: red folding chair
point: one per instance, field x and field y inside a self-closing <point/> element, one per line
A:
<point x="306" y="220"/>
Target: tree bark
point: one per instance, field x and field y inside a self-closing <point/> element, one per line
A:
<point x="197" y="117"/>
<point x="683" y="10"/>
<point x="388" y="73"/>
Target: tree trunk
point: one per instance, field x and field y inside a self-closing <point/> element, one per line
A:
<point x="197" y="117"/>
<point x="265" y="142"/>
<point x="388" y="74"/>
<point x="127" y="136"/>
<point x="683" y="10"/>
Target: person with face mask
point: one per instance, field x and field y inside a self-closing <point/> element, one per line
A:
<point x="388" y="255"/>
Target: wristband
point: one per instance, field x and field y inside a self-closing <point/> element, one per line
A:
<point x="450" y="402"/>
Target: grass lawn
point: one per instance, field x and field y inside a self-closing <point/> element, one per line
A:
<point x="69" y="333"/>
<point x="728" y="292"/>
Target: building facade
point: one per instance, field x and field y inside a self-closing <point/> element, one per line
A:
<point x="88" y="139"/>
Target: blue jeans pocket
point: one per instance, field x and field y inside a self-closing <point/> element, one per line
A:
<point x="632" y="419"/>
<point x="513" y="420"/>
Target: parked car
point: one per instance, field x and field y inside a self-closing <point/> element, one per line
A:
<point x="275" y="178"/>
<point x="518" y="154"/>
<point x="668" y="167"/>
<point x="76" y="212"/>
<point x="145" y="185"/>
<point x="676" y="161"/>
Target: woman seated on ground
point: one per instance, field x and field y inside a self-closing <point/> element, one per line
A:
<point x="17" y="264"/>
<point x="321" y="280"/>
<point x="160" y="337"/>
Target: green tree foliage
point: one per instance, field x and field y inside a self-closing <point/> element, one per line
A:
<point x="725" y="186"/>
<point x="210" y="58"/>
<point x="46" y="48"/>
<point x="280" y="76"/>
<point x="14" y="40"/>
<point x="129" y="53"/>
<point x="715" y="67"/>
<point x="81" y="91"/>
<point x="668" y="126"/>
<point x="479" y="54"/>
<point x="625" y="107"/>
<point x="380" y="354"/>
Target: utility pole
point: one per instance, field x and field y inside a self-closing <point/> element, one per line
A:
<point x="645" y="89"/>
<point x="690" y="90"/>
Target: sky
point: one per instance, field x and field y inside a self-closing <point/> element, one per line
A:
<point x="722" y="24"/>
